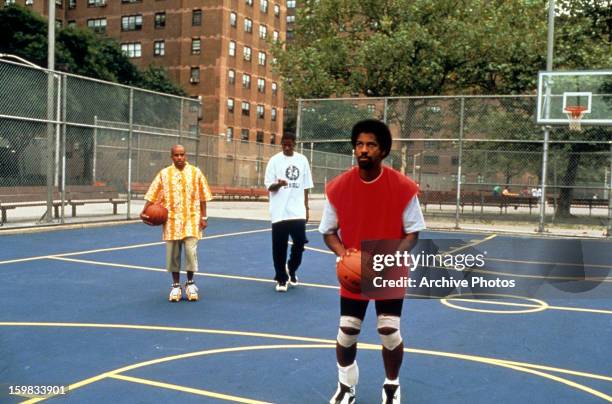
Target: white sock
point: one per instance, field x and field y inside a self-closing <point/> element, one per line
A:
<point x="393" y="382"/>
<point x="348" y="375"/>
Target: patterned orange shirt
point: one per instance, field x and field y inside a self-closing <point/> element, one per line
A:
<point x="181" y="192"/>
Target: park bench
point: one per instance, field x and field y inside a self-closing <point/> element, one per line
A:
<point x="581" y="203"/>
<point x="15" y="197"/>
<point x="79" y="195"/>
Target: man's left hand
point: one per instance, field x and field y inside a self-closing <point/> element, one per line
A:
<point x="203" y="223"/>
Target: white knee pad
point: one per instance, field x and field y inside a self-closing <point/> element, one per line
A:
<point x="393" y="340"/>
<point x="348" y="340"/>
<point x="348" y="375"/>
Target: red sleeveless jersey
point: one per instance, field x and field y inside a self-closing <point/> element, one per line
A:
<point x="369" y="210"/>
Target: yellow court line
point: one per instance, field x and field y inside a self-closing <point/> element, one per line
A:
<point x="207" y="274"/>
<point x="283" y="337"/>
<point x="191" y="390"/>
<point x="492" y="236"/>
<point x="600" y="311"/>
<point x="478" y="359"/>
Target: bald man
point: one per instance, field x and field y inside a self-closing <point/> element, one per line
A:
<point x="183" y="190"/>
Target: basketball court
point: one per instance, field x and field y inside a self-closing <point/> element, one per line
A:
<point x="87" y="309"/>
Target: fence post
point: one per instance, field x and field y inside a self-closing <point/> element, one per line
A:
<point x="63" y="79"/>
<point x="298" y="122"/>
<point x="385" y="108"/>
<point x="461" y="122"/>
<point x="129" y="171"/>
<point x="48" y="217"/>
<point x="609" y="186"/>
<point x="180" y="131"/>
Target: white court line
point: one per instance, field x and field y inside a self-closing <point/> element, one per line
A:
<point x="128" y="247"/>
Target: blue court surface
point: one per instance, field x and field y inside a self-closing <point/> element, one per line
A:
<point x="87" y="309"/>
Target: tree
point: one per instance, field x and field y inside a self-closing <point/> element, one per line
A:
<point x="78" y="51"/>
<point x="433" y="47"/>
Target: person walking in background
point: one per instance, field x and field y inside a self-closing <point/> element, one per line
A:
<point x="183" y="190"/>
<point x="288" y="178"/>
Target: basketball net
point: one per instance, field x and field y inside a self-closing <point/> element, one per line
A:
<point x="574" y="115"/>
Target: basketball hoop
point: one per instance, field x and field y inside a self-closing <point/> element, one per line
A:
<point x="574" y="115"/>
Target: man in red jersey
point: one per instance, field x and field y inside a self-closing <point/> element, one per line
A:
<point x="369" y="202"/>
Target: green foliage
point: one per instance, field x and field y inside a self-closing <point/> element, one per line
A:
<point x="78" y="51"/>
<point x="433" y="47"/>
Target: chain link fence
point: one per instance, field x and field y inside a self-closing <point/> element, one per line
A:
<point x="68" y="141"/>
<point x="478" y="158"/>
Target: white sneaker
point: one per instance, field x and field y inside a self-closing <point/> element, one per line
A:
<point x="291" y="280"/>
<point x="391" y="394"/>
<point x="176" y="293"/>
<point x="344" y="395"/>
<point x="281" y="287"/>
<point x="191" y="290"/>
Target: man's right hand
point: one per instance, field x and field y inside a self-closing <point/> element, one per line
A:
<point x="145" y="219"/>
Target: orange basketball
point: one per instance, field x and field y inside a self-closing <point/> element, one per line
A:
<point x="157" y="214"/>
<point x="348" y="270"/>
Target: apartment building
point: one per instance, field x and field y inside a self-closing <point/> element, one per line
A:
<point x="218" y="50"/>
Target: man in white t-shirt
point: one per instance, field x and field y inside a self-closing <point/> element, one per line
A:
<point x="288" y="179"/>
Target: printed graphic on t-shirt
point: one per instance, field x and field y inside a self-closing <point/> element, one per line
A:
<point x="292" y="173"/>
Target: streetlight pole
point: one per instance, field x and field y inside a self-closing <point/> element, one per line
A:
<point x="549" y="67"/>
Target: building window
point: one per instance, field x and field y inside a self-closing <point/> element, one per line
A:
<point x="131" y="22"/>
<point x="233" y="19"/>
<point x="160" y="20"/>
<point x="263" y="6"/>
<point x="230" y="105"/>
<point x="246" y="53"/>
<point x="97" y="25"/>
<point x="273" y="138"/>
<point x="290" y="19"/>
<point x="58" y="24"/>
<point x="244" y="135"/>
<point x="96" y="3"/>
<point x="261" y="85"/>
<point x="260" y="136"/>
<point x="431" y="160"/>
<point x="290" y="34"/>
<point x="274" y="88"/>
<point x="232" y="48"/>
<point x="72" y="23"/>
<point x="275" y="36"/>
<point x="196" y="18"/>
<point x="276" y="10"/>
<point x="194" y="75"/>
<point x="159" y="48"/>
<point x="229" y="134"/>
<point x="132" y="49"/>
<point x="196" y="46"/>
<point x="261" y="58"/>
<point x="273" y="114"/>
<point x="260" y="112"/>
<point x="248" y="25"/>
<point x="455" y="160"/>
<point x="231" y="76"/>
<point x="263" y="31"/>
<point x="71" y="3"/>
<point x="249" y="3"/>
<point x="27" y="3"/>
<point x="58" y="3"/>
<point x="246" y="80"/>
<point x="246" y="108"/>
<point x="131" y="1"/>
<point x="290" y="3"/>
<point x="371" y="108"/>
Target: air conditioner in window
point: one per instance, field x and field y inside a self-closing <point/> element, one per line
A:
<point x="101" y="3"/>
<point x="193" y="80"/>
